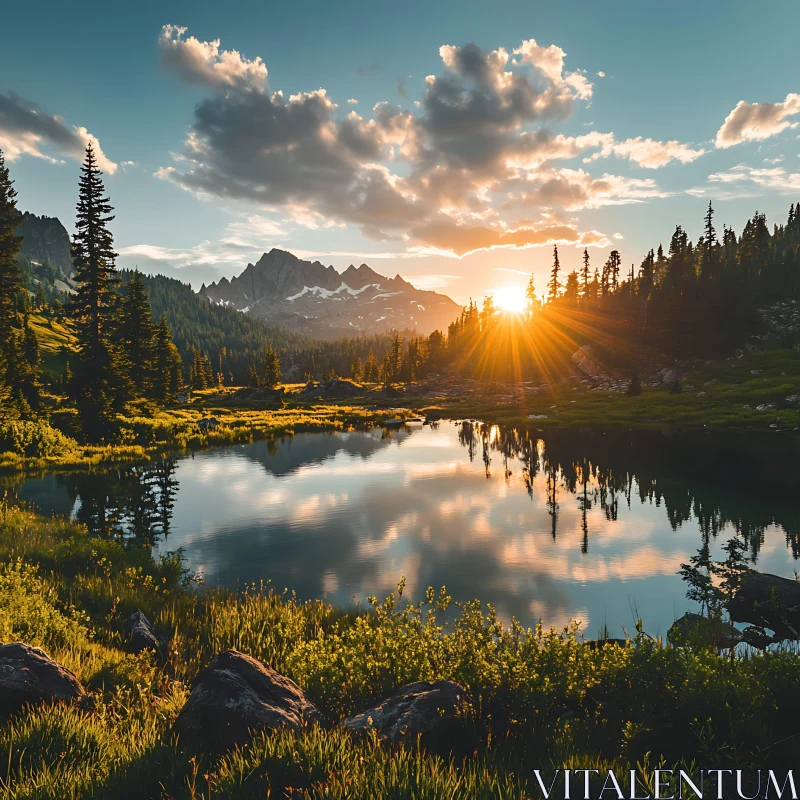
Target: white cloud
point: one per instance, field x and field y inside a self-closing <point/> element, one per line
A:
<point x="757" y="121"/>
<point x="775" y="178"/>
<point x="436" y="178"/>
<point x="653" y="154"/>
<point x="28" y="130"/>
<point x="203" y="62"/>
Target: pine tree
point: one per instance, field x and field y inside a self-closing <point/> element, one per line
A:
<point x="396" y="358"/>
<point x="553" y="286"/>
<point x="9" y="250"/>
<point x="138" y="334"/>
<point x="167" y="372"/>
<point x="571" y="289"/>
<point x="10" y="276"/>
<point x="530" y="296"/>
<point x="99" y="382"/>
<point x="270" y="367"/>
<point x="357" y="369"/>
<point x="371" y="368"/>
<point x="585" y="275"/>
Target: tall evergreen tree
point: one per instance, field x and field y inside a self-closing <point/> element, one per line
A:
<point x="99" y="382"/>
<point x="530" y="296"/>
<point x="19" y="349"/>
<point x="553" y="286"/>
<point x="138" y="334"/>
<point x="270" y="367"/>
<point x="585" y="273"/>
<point x="371" y="367"/>
<point x="9" y="251"/>
<point x="167" y="373"/>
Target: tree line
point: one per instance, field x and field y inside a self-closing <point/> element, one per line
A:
<point x="121" y="353"/>
<point x="697" y="299"/>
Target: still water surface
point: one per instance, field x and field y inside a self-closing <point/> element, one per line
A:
<point x="557" y="529"/>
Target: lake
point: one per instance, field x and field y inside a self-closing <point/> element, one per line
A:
<point x="555" y="526"/>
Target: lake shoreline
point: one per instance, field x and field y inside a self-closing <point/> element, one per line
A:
<point x="150" y="434"/>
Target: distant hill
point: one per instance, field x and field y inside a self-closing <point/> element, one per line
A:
<point x="45" y="239"/>
<point x="310" y="297"/>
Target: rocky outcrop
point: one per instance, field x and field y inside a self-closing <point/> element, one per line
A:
<point x="45" y="239"/>
<point x="693" y="627"/>
<point x="334" y="389"/>
<point x="768" y="601"/>
<point x="261" y="395"/>
<point x="235" y="696"/>
<point x="29" y="676"/>
<point x="585" y="360"/>
<point x="141" y="634"/>
<point x="427" y="710"/>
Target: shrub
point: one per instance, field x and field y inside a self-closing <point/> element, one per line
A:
<point x="34" y="440"/>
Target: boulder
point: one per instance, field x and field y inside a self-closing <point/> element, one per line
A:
<point x="586" y="361"/>
<point x="422" y="709"/>
<point x="141" y="634"/>
<point x="260" y="395"/>
<point x="235" y="696"/>
<point x="208" y="424"/>
<point x="29" y="676"/>
<point x="768" y="601"/>
<point x="694" y="627"/>
<point x="335" y="388"/>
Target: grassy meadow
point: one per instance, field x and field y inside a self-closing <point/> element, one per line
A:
<point x="538" y="699"/>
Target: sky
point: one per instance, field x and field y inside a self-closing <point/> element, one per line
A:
<point x="452" y="143"/>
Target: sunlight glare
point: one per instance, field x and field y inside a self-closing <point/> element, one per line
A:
<point x="510" y="299"/>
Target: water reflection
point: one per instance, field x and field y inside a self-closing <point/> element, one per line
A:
<point x="567" y="525"/>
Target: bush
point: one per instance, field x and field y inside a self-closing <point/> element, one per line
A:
<point x="30" y="611"/>
<point x="34" y="440"/>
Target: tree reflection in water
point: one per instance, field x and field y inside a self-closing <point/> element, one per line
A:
<point x="720" y="482"/>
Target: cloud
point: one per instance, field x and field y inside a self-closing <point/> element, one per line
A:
<point x="478" y="143"/>
<point x="757" y="121"/>
<point x="352" y="101"/>
<point x="653" y="154"/>
<point x="25" y="129"/>
<point x="775" y="178"/>
<point x="448" y="236"/>
<point x="204" y="63"/>
<point x="574" y="189"/>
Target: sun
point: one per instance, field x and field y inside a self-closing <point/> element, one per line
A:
<point x="510" y="299"/>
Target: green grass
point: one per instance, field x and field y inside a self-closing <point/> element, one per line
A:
<point x="728" y="386"/>
<point x="54" y="338"/>
<point x="537" y="698"/>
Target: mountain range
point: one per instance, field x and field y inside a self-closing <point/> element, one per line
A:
<point x="310" y="297"/>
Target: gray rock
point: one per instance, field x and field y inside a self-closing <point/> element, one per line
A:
<point x="422" y="709"/>
<point x="208" y="424"/>
<point x="142" y="634"/>
<point x="693" y="627"/>
<point x="586" y="361"/>
<point x="235" y="696"/>
<point x="29" y="676"/>
<point x="766" y="407"/>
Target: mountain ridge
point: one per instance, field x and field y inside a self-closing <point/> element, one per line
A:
<point x="311" y="297"/>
